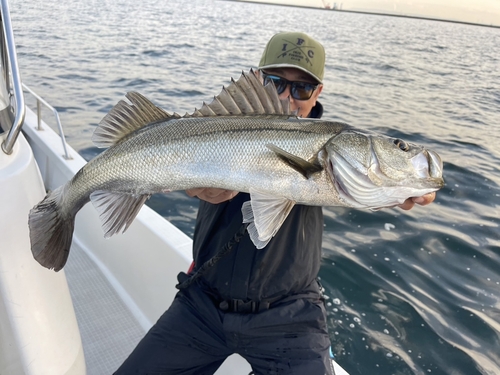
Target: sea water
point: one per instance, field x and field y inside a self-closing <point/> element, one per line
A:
<point x="408" y="292"/>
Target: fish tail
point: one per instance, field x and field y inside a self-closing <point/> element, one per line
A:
<point x="51" y="231"/>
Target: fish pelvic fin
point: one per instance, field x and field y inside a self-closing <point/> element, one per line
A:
<point x="125" y="118"/>
<point x="265" y="214"/>
<point x="117" y="210"/>
<point x="246" y="96"/>
<point x="50" y="232"/>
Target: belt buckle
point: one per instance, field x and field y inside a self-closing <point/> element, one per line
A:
<point x="239" y="306"/>
<point x="242" y="307"/>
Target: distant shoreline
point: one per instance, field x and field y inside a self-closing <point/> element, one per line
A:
<point x="370" y="13"/>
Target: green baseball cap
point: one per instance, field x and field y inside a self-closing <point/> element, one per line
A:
<point x="295" y="50"/>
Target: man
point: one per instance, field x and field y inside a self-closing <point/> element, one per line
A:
<point x="264" y="304"/>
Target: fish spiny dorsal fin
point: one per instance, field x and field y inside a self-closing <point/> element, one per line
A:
<point x="268" y="96"/>
<point x="125" y="118"/>
<point x="246" y="96"/>
<point x="206" y="111"/>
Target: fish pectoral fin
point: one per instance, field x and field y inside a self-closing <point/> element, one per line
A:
<point x="304" y="167"/>
<point x="265" y="214"/>
<point x="116" y="210"/>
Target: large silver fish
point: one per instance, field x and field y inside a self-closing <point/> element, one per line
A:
<point x="245" y="140"/>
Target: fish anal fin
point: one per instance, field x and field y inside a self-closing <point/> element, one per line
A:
<point x="265" y="214"/>
<point x="124" y="118"/>
<point x="116" y="210"/>
<point x="304" y="167"/>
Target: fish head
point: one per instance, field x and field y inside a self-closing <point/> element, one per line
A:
<point x="374" y="171"/>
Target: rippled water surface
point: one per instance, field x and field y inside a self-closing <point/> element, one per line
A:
<point x="413" y="292"/>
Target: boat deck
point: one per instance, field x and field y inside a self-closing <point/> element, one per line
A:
<point x="109" y="331"/>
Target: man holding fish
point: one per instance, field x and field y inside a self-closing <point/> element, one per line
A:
<point x="263" y="303"/>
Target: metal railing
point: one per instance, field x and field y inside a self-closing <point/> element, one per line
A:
<point x="39" y="102"/>
<point x="11" y="60"/>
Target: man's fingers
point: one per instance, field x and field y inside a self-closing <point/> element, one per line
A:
<point x="194" y="192"/>
<point x="212" y="195"/>
<point x="223" y="196"/>
<point x="407" y="205"/>
<point x="426" y="199"/>
<point x="422" y="201"/>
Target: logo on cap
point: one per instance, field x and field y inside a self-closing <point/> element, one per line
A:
<point x="297" y="51"/>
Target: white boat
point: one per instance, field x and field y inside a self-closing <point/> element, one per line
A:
<point x="88" y="317"/>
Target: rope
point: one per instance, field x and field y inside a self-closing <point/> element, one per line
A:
<point x="226" y="249"/>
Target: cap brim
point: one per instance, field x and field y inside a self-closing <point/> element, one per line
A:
<point x="272" y="66"/>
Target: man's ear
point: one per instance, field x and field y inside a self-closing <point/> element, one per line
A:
<point x="317" y="92"/>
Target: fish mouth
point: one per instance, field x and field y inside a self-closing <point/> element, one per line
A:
<point x="428" y="164"/>
<point x="371" y="188"/>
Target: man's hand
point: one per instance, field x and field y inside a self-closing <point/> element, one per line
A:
<point x="423" y="200"/>
<point x="215" y="196"/>
<point x="212" y="195"/>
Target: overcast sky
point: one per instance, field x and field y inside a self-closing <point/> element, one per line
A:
<point x="477" y="11"/>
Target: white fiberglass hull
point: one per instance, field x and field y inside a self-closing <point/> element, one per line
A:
<point x="36" y="311"/>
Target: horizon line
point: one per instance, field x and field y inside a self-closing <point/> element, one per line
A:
<point x="370" y="13"/>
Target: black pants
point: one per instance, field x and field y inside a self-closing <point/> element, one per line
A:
<point x="194" y="337"/>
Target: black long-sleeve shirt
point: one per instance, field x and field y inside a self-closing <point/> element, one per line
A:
<point x="289" y="264"/>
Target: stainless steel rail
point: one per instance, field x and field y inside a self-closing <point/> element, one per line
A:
<point x="39" y="102"/>
<point x="10" y="50"/>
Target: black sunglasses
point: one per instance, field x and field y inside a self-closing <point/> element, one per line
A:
<point x="298" y="90"/>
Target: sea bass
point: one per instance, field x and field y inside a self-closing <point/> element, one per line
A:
<point x="245" y="140"/>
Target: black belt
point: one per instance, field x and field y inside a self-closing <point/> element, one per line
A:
<point x="253" y="307"/>
<point x="249" y="307"/>
<point x="242" y="307"/>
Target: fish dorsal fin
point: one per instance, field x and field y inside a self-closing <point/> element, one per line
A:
<point x="265" y="214"/>
<point x="124" y="118"/>
<point x="306" y="168"/>
<point x="246" y="96"/>
<point x="116" y="210"/>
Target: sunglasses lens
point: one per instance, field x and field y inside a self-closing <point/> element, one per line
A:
<point x="302" y="91"/>
<point x="298" y="90"/>
<point x="279" y="83"/>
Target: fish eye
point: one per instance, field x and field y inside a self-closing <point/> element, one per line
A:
<point x="401" y="144"/>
